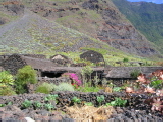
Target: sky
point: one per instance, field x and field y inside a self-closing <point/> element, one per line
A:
<point x="154" y="1"/>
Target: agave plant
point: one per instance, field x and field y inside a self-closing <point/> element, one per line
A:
<point x="149" y="89"/>
<point x="129" y="90"/>
<point x="157" y="104"/>
<point x="142" y="79"/>
<point x="158" y="74"/>
<point x="159" y="93"/>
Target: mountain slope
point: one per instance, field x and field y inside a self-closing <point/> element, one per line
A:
<point x="99" y="19"/>
<point x="146" y="17"/>
<point x="33" y="34"/>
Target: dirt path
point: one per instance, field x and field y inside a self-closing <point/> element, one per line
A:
<point x="7" y="27"/>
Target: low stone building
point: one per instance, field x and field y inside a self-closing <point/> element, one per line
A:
<point x="92" y="56"/>
<point x="15" y="62"/>
<point x="120" y="75"/>
<point x="44" y="67"/>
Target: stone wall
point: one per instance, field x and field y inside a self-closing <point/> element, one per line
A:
<point x="65" y="98"/>
<point x="135" y="109"/>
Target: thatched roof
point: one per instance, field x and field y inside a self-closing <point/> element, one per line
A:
<point x="92" y="56"/>
<point x="125" y="72"/>
<point x="69" y="69"/>
<point x="38" y="63"/>
<point x="34" y="55"/>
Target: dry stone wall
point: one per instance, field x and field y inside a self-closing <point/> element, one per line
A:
<point x="66" y="97"/>
<point x="136" y="109"/>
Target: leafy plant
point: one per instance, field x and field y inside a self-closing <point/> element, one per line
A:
<point x="2" y="105"/>
<point x="48" y="106"/>
<point x="76" y="100"/>
<point x="100" y="99"/>
<point x="51" y="97"/>
<point x="87" y="88"/>
<point x="88" y="104"/>
<point x="26" y="104"/>
<point x="157" y="84"/>
<point x="9" y="103"/>
<point x="37" y="104"/>
<point x="6" y="79"/>
<point x="117" y="89"/>
<point x="117" y="102"/>
<point x="6" y="83"/>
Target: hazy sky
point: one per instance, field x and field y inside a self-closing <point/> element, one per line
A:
<point x="154" y="1"/>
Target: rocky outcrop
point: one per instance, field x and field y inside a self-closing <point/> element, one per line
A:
<point x="14" y="7"/>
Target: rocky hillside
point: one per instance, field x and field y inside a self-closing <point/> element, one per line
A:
<point x="99" y="20"/>
<point x="146" y="17"/>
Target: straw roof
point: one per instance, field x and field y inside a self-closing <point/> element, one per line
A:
<point x="38" y="63"/>
<point x="125" y="72"/>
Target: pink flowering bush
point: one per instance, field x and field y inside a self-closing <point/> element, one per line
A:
<point x="74" y="77"/>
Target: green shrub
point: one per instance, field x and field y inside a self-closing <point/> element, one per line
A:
<point x="76" y="100"/>
<point x="117" y="89"/>
<point x="37" y="105"/>
<point x="42" y="89"/>
<point x="135" y="73"/>
<point x="24" y="76"/>
<point x="125" y="60"/>
<point x="100" y="99"/>
<point x="6" y="82"/>
<point x="54" y="87"/>
<point x="88" y="104"/>
<point x="7" y="91"/>
<point x="65" y="87"/>
<point x="117" y="102"/>
<point x="86" y="74"/>
<point x="51" y="97"/>
<point x="26" y="104"/>
<point x="48" y="106"/>
<point x="45" y="88"/>
<point x="6" y="78"/>
<point x="88" y="89"/>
